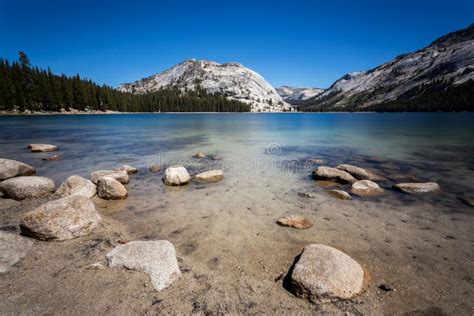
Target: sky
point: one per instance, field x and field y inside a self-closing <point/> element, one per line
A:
<point x="298" y="43"/>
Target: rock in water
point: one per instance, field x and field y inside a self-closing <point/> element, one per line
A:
<point x="356" y="172"/>
<point x="110" y="189"/>
<point x="366" y="188"/>
<point x="333" y="174"/>
<point x="20" y="188"/>
<point x="13" y="248"/>
<point x="119" y="175"/>
<point x="36" y="148"/>
<point x="339" y="194"/>
<point x="468" y="201"/>
<point x="76" y="185"/>
<point x="210" y="176"/>
<point x="62" y="219"/>
<point x="414" y="188"/>
<point x="199" y="155"/>
<point x="12" y="168"/>
<point x="176" y="175"/>
<point x="53" y="158"/>
<point x="296" y="221"/>
<point x="155" y="168"/>
<point x="324" y="273"/>
<point x="128" y="169"/>
<point x="156" y="258"/>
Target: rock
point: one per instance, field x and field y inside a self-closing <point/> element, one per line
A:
<point x="375" y="177"/>
<point x="53" y="158"/>
<point x="468" y="201"/>
<point x="20" y="188"/>
<point x="110" y="189"/>
<point x="339" y="194"/>
<point x="77" y="185"/>
<point x="155" y="168"/>
<point x="414" y="188"/>
<point x="176" y="175"/>
<point x="317" y="161"/>
<point x="386" y="287"/>
<point x="210" y="176"/>
<point x="119" y="175"/>
<point x="327" y="184"/>
<point x="217" y="157"/>
<point x="306" y="195"/>
<point x="12" y="168"/>
<point x="296" y="221"/>
<point x="356" y="172"/>
<point x="35" y="148"/>
<point x="333" y="174"/>
<point x="324" y="274"/>
<point x="155" y="258"/>
<point x="128" y="169"/>
<point x="13" y="248"/>
<point x="61" y="219"/>
<point x="366" y="188"/>
<point x="199" y="155"/>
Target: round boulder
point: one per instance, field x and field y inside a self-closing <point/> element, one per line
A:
<point x="333" y="174"/>
<point x="20" y="188"/>
<point x="119" y="175"/>
<point x="176" y="175"/>
<point x="12" y="168"/>
<point x="76" y="185"/>
<point x="366" y="188"/>
<point x="323" y="274"/>
<point x="155" y="167"/>
<point x="62" y="219"/>
<point x="110" y="189"/>
<point x="210" y="176"/>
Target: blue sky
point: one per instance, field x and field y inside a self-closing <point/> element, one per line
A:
<point x="301" y="43"/>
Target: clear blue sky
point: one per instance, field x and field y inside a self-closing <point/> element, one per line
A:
<point x="302" y="43"/>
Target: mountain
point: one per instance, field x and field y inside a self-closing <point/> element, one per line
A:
<point x="438" y="77"/>
<point x="232" y="80"/>
<point x="294" y="95"/>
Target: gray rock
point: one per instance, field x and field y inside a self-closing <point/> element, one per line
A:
<point x="119" y="175"/>
<point x="340" y="194"/>
<point x="128" y="169"/>
<point x="36" y="148"/>
<point x="62" y="219"/>
<point x="155" y="258"/>
<point x="295" y="221"/>
<point x="13" y="248"/>
<point x="324" y="274"/>
<point x="155" y="167"/>
<point x="12" y="168"/>
<point x="355" y="171"/>
<point x="210" y="176"/>
<point x="414" y="188"/>
<point x="20" y="188"/>
<point x="76" y="185"/>
<point x="333" y="174"/>
<point x="110" y="189"/>
<point x="176" y="175"/>
<point x="366" y="188"/>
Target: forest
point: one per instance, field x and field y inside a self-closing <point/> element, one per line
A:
<point x="24" y="87"/>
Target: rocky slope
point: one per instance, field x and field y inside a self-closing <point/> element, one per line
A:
<point x="293" y="95"/>
<point x="445" y="65"/>
<point x="233" y="80"/>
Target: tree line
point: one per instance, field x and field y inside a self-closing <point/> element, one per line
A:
<point x="24" y="87"/>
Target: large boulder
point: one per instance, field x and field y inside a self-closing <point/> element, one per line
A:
<point x="366" y="188"/>
<point x="36" y="148"/>
<point x="128" y="169"/>
<point x="12" y="168"/>
<point x="210" y="176"/>
<point x="119" y="175"/>
<point x="333" y="174"/>
<point x="20" y="188"/>
<point x="157" y="258"/>
<point x="414" y="188"/>
<point x="62" y="219"/>
<point x="355" y="171"/>
<point x="176" y="175"/>
<point x="77" y="185"/>
<point x="13" y="248"/>
<point x="110" y="189"/>
<point x="295" y="221"/>
<point x="323" y="274"/>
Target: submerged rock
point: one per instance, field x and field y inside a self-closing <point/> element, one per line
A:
<point x="128" y="169"/>
<point x="53" y="158"/>
<point x="333" y="174"/>
<point x="296" y="221"/>
<point x="176" y="175"/>
<point x="210" y="176"/>
<point x="217" y="157"/>
<point x="340" y="194"/>
<point x="318" y="161"/>
<point x="327" y="184"/>
<point x="324" y="273"/>
<point x="199" y="155"/>
<point x="366" y="188"/>
<point x="12" y="168"/>
<point x="355" y="171"/>
<point x="110" y="189"/>
<point x="155" y="258"/>
<point x="62" y="219"/>
<point x="155" y="168"/>
<point x="35" y="148"/>
<point x="76" y="185"/>
<point x="13" y="248"/>
<point x="414" y="188"/>
<point x="20" y="188"/>
<point x="119" y="175"/>
<point x="468" y="201"/>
